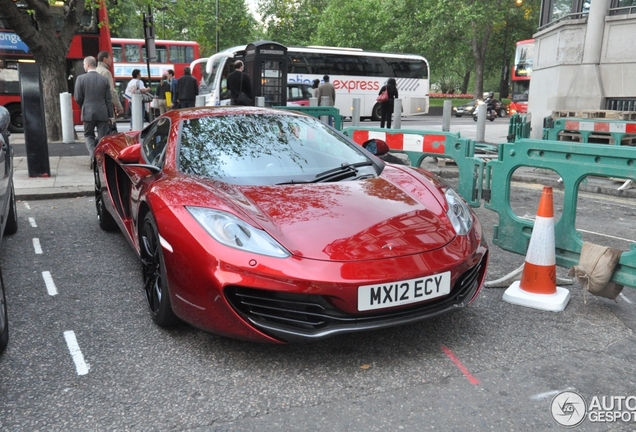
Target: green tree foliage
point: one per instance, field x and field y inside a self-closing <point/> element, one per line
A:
<point x="353" y="23"/>
<point x="33" y="21"/>
<point x="291" y="22"/>
<point x="187" y="20"/>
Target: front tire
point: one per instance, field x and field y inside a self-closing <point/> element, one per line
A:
<point x="106" y="220"/>
<point x="11" y="227"/>
<point x="376" y="113"/>
<point x="154" y="273"/>
<point x="502" y="112"/>
<point x="16" y="122"/>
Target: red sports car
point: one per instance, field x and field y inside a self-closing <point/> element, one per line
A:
<point x="270" y="226"/>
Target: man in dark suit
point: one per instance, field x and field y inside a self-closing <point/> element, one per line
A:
<point x="187" y="89"/>
<point x="92" y="93"/>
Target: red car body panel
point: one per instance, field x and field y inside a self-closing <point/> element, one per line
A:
<point x="341" y="235"/>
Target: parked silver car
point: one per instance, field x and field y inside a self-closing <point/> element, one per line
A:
<point x="7" y="210"/>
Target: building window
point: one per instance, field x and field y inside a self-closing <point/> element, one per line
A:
<point x="553" y="11"/>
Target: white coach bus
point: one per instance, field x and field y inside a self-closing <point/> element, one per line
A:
<point x="353" y="72"/>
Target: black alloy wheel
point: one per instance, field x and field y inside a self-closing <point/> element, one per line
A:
<point x="4" y="320"/>
<point x="154" y="273"/>
<point x="106" y="220"/>
<point x="16" y="122"/>
<point x="376" y="113"/>
<point x="11" y="227"/>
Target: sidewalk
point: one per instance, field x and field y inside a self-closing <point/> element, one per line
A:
<point x="69" y="167"/>
<point x="72" y="177"/>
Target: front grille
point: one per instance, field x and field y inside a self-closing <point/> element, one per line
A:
<point x="297" y="317"/>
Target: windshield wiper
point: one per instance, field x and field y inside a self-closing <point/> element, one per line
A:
<point x="341" y="172"/>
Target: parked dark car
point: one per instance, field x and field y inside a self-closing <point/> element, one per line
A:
<point x="7" y="210"/>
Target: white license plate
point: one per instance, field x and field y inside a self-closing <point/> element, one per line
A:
<point x="403" y="292"/>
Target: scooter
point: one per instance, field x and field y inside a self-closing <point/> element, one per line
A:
<point x="491" y="114"/>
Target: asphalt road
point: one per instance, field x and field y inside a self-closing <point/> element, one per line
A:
<point x="492" y="366"/>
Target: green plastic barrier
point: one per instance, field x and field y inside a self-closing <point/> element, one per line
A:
<point x="573" y="162"/>
<point x="585" y="130"/>
<point x="519" y="127"/>
<point x="318" y="111"/>
<point x="418" y="144"/>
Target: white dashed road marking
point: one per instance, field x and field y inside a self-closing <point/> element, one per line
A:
<point x="36" y="246"/>
<point x="76" y="353"/>
<point x="50" y="285"/>
<point x="32" y="222"/>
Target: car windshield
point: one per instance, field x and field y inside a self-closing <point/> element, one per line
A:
<point x="262" y="149"/>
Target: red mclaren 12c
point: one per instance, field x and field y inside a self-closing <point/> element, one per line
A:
<point x="270" y="226"/>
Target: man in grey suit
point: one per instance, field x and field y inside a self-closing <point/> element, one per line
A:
<point x="92" y="93"/>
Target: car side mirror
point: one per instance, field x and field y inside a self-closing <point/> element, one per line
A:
<point x="5" y="117"/>
<point x="130" y="155"/>
<point x="376" y="146"/>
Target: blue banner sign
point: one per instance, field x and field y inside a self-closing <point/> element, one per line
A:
<point x="12" y="42"/>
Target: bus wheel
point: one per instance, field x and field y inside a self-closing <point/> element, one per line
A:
<point x="15" y="123"/>
<point x="376" y="113"/>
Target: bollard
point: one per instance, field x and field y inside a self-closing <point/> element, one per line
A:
<point x="260" y="101"/>
<point x="137" y="112"/>
<point x="324" y="101"/>
<point x="446" y="115"/>
<point x="355" y="115"/>
<point x="199" y="101"/>
<point x="313" y="101"/>
<point x="66" y="108"/>
<point x="481" y="122"/>
<point x="397" y="114"/>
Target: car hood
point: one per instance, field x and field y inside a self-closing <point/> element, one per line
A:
<point x="393" y="215"/>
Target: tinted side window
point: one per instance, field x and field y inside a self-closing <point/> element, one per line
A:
<point x="155" y="142"/>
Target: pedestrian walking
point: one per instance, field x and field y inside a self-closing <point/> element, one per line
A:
<point x="187" y="89"/>
<point x="135" y="85"/>
<point x="240" y="86"/>
<point x="104" y="64"/>
<point x="326" y="89"/>
<point x="162" y="89"/>
<point x="386" y="107"/>
<point x="171" y="101"/>
<point x="92" y="94"/>
<point x="314" y="88"/>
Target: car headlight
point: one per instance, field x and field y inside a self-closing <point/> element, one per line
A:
<point x="234" y="232"/>
<point x="458" y="212"/>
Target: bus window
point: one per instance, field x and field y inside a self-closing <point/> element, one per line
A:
<point x="9" y="79"/>
<point x="117" y="53"/>
<point x="131" y="53"/>
<point x="162" y="53"/>
<point x="181" y="54"/>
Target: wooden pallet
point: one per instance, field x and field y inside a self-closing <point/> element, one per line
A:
<point x="441" y="162"/>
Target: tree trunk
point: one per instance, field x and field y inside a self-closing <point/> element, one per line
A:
<point x="466" y="81"/>
<point x="53" y="72"/>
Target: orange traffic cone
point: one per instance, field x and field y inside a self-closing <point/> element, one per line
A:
<point x="537" y="287"/>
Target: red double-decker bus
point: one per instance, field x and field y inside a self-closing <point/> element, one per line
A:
<point x="93" y="36"/>
<point x="130" y="54"/>
<point x="521" y="71"/>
